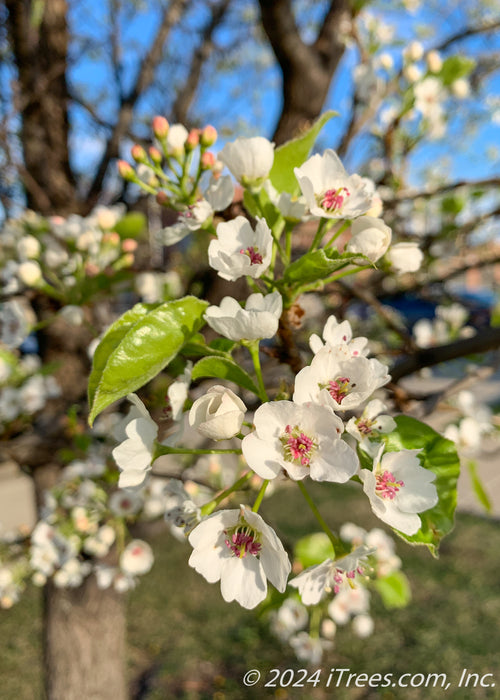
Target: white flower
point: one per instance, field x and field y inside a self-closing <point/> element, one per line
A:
<point x="309" y="649"/>
<point x="249" y="160"/>
<point x="363" y="625"/>
<point x="259" y="318"/>
<point x="429" y="94"/>
<point x="28" y="247"/>
<point x="339" y="337"/>
<point x="341" y="384"/>
<point x="239" y="549"/>
<point x="177" y="392"/>
<point x="16" y="319"/>
<point x="176" y="138"/>
<point x="239" y="250"/>
<point x="137" y="558"/>
<point x="33" y="394"/>
<point x="30" y="273"/>
<point x="370" y="237"/>
<point x="218" y="414"/>
<point x="124" y="503"/>
<point x="134" y="455"/>
<point x="349" y="601"/>
<point x="74" y="315"/>
<point x="371" y="423"/>
<point x="405" y="257"/>
<point x="414" y="51"/>
<point x="301" y="440"/>
<point x="399" y="488"/>
<point x="467" y="435"/>
<point x="104" y="575"/>
<point x="316" y="581"/>
<point x="434" y="61"/>
<point x="289" y="618"/>
<point x="329" y="191"/>
<point x="460" y="88"/>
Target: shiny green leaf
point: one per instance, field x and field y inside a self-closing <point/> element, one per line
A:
<point x="223" y="368"/>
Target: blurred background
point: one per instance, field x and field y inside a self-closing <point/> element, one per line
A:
<point x="416" y="89"/>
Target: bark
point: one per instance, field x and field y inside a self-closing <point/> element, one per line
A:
<point x="307" y="69"/>
<point x="84" y="643"/>
<point x="40" y="52"/>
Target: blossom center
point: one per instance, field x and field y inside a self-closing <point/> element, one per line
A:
<point x="333" y="200"/>
<point x="253" y="254"/>
<point x="298" y="447"/>
<point x="241" y="541"/>
<point x="365" y="427"/>
<point x="387" y="486"/>
<point x="338" y="388"/>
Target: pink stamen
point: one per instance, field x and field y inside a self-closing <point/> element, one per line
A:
<point x="298" y="447"/>
<point x="333" y="200"/>
<point x="253" y="254"/>
<point x="365" y="427"/>
<point x="338" y="388"/>
<point x="243" y="543"/>
<point x="387" y="486"/>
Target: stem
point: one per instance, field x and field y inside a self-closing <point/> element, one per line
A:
<point x="323" y="224"/>
<point x="212" y="505"/>
<point x="253" y="349"/>
<point x="260" y="496"/>
<point x="345" y="225"/>
<point x="334" y="540"/>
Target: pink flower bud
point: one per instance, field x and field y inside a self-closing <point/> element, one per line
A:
<point x="129" y="245"/>
<point x="155" y="155"/>
<point x="162" y="198"/>
<point x="160" y="127"/>
<point x="207" y="160"/>
<point x="208" y="136"/>
<point x="192" y="140"/>
<point x="126" y="171"/>
<point x="91" y="269"/>
<point x="138" y="154"/>
<point x="111" y="237"/>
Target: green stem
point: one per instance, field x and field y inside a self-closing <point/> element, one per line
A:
<point x="253" y="348"/>
<point x="323" y="224"/>
<point x="260" y="496"/>
<point x="212" y="505"/>
<point x="337" y="233"/>
<point x="334" y="540"/>
<point x="346" y="273"/>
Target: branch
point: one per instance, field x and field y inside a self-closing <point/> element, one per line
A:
<point x="488" y="339"/>
<point x="186" y="95"/>
<point x="442" y="189"/>
<point x="144" y="79"/>
<point x="465" y="33"/>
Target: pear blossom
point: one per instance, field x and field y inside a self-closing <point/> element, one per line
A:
<point x="134" y="455"/>
<point x="399" y="488"/>
<point x="363" y="625"/>
<point x="239" y="250"/>
<point x="341" y="384"/>
<point x="467" y="435"/>
<point x="259" y="319"/>
<point x="405" y="257"/>
<point x="300" y="440"/>
<point x="339" y="337"/>
<point x="249" y="160"/>
<point x="30" y="273"/>
<point x="218" y="414"/>
<point x="317" y="581"/>
<point x="124" y="503"/>
<point x="176" y="138"/>
<point x="288" y="619"/>
<point x="237" y="548"/>
<point x="16" y="320"/>
<point x="434" y="61"/>
<point x="370" y="237"/>
<point x="28" y="247"/>
<point x="429" y="95"/>
<point x="348" y="602"/>
<point x="137" y="558"/>
<point x="309" y="649"/>
<point x="371" y="423"/>
<point x="328" y="189"/>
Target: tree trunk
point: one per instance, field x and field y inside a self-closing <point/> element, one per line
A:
<point x="40" y="48"/>
<point x="84" y="642"/>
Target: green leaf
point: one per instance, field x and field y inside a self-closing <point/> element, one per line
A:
<point x="314" y="549"/>
<point x="293" y="153"/>
<point x="452" y="205"/>
<point x="478" y="487"/>
<point x="132" y="225"/>
<point x="440" y="456"/>
<point x="223" y="368"/>
<point x="394" y="590"/>
<point x="138" y="346"/>
<point x="455" y="67"/>
<point x="318" y="265"/>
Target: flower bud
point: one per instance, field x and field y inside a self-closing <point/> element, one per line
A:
<point x="138" y="154"/>
<point x="126" y="171"/>
<point x="155" y="155"/>
<point x="29" y="247"/>
<point x="129" y="245"/>
<point x="29" y="273"/>
<point x="192" y="140"/>
<point x="434" y="61"/>
<point x="208" y="136"/>
<point x="111" y="237"/>
<point x="207" y="160"/>
<point x="160" y="127"/>
<point x="162" y="198"/>
<point x="218" y="414"/>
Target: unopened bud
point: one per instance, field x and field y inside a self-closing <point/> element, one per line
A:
<point x="126" y="171"/>
<point x="91" y="269"/>
<point x="138" y="154"/>
<point x="29" y="273"/>
<point x="162" y="198"/>
<point x="129" y="245"/>
<point x="208" y="136"/>
<point x="192" y="140"/>
<point x="207" y="160"/>
<point x="111" y="237"/>
<point x="160" y="127"/>
<point x="128" y="260"/>
<point x="155" y="155"/>
<point x="434" y="61"/>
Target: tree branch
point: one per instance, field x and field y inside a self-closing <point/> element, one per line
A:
<point x="442" y="189"/>
<point x="145" y="76"/>
<point x="465" y="33"/>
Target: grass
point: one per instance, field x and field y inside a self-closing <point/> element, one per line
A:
<point x="185" y="642"/>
